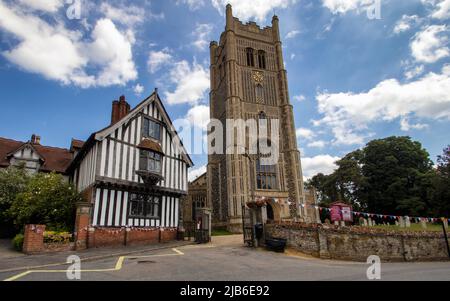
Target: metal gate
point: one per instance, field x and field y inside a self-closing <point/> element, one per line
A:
<point x="247" y="227"/>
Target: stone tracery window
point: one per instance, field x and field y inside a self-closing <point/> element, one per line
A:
<point x="259" y="93"/>
<point x="262" y="59"/>
<point x="250" y="57"/>
<point x="266" y="175"/>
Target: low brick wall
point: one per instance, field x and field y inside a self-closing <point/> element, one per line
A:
<point x="110" y="237"/>
<point x="358" y="243"/>
<point x="168" y="234"/>
<point x="142" y="236"/>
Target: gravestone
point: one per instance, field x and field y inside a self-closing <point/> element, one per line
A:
<point x="423" y="223"/>
<point x="407" y="222"/>
<point x="401" y="222"/>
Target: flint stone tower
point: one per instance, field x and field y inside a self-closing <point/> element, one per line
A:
<point x="249" y="81"/>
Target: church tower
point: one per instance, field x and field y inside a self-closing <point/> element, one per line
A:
<point x="249" y="81"/>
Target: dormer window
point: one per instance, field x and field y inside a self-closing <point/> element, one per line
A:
<point x="152" y="129"/>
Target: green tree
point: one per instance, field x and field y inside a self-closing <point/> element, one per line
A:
<point x="48" y="199"/>
<point x="13" y="180"/>
<point x="441" y="200"/>
<point x="396" y="170"/>
<point x="391" y="176"/>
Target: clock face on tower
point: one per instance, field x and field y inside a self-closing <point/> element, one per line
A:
<point x="258" y="77"/>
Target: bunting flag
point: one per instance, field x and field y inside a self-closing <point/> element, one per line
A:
<point x="383" y="216"/>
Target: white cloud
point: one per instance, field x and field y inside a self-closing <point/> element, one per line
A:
<point x="406" y="126"/>
<point x="319" y="164"/>
<point x="202" y="34"/>
<point x="429" y="45"/>
<point x="414" y="71"/>
<point x="406" y="23"/>
<point x="344" y="6"/>
<point x="317" y="144"/>
<point x="305" y="133"/>
<point x="198" y="116"/>
<point x="157" y="59"/>
<point x="292" y="34"/>
<point x="193" y="4"/>
<point x="349" y="114"/>
<point x="195" y="173"/>
<point x="299" y="98"/>
<point x="192" y="83"/>
<point x="111" y="50"/>
<point x="138" y="89"/>
<point x="50" y="6"/>
<point x="60" y="54"/>
<point x="256" y="9"/>
<point x="129" y="15"/>
<point x="441" y="8"/>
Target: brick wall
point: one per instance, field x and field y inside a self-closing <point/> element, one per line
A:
<point x="357" y="243"/>
<point x="168" y="234"/>
<point x="142" y="236"/>
<point x="110" y="237"/>
<point x="33" y="239"/>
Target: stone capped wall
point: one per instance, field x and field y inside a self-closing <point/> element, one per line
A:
<point x="358" y="243"/>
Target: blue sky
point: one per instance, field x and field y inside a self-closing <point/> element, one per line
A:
<point x="352" y="78"/>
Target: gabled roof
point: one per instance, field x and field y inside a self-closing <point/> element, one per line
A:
<point x="198" y="179"/>
<point x="100" y="135"/>
<point x="54" y="159"/>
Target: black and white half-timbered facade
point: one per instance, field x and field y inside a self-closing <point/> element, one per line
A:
<point x="135" y="171"/>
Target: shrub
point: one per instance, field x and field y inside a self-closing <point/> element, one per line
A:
<point x="13" y="180"/>
<point x="18" y="242"/>
<point x="57" y="237"/>
<point x="48" y="200"/>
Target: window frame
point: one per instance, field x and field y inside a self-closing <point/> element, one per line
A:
<point x="146" y="129"/>
<point x="149" y="206"/>
<point x="262" y="64"/>
<point x="250" y="55"/>
<point x="149" y="155"/>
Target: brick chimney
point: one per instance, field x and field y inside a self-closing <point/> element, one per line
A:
<point x="120" y="109"/>
<point x="35" y="139"/>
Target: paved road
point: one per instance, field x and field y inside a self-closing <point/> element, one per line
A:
<point x="226" y="259"/>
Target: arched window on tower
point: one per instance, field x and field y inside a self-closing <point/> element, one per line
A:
<point x="250" y="57"/>
<point x="259" y="93"/>
<point x="266" y="175"/>
<point x="262" y="59"/>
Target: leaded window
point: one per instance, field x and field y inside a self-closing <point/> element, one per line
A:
<point x="266" y="176"/>
<point x="150" y="161"/>
<point x="152" y="129"/>
<point x="144" y="206"/>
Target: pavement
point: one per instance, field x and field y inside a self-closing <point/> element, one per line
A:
<point x="224" y="259"/>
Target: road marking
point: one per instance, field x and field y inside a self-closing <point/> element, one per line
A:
<point x="117" y="267"/>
